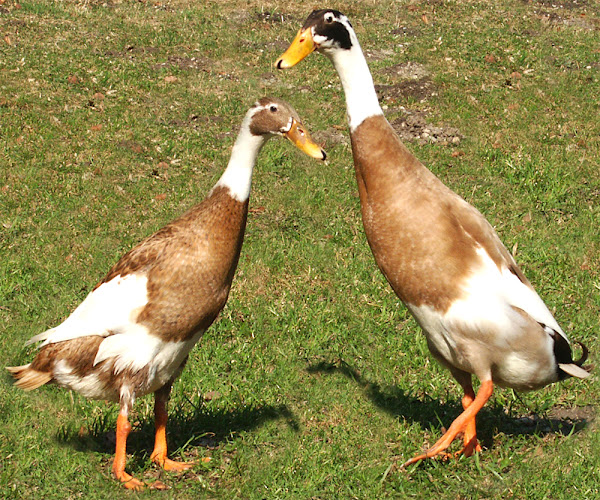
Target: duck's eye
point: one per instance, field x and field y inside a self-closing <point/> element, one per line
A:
<point x="273" y="108"/>
<point x="329" y="17"/>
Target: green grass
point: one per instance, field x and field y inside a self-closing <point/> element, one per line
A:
<point x="314" y="382"/>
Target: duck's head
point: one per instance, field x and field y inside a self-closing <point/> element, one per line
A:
<point x="271" y="116"/>
<point x="325" y="30"/>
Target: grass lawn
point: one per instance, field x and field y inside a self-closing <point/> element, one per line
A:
<point x="118" y="115"/>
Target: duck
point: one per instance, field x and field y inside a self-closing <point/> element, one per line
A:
<point x="133" y="333"/>
<point x="480" y="315"/>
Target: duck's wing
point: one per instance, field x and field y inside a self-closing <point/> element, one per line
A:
<point x="114" y="304"/>
<point x="500" y="274"/>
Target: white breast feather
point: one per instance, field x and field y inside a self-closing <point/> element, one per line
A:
<point x="111" y="308"/>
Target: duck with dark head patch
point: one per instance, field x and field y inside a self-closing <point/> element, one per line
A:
<point x="479" y="313"/>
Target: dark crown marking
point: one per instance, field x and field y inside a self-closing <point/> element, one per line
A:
<point x="333" y="30"/>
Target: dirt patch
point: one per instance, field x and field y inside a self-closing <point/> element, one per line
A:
<point x="559" y="4"/>
<point x="558" y="421"/>
<point x="411" y="80"/>
<point x="378" y="54"/>
<point x="405" y="31"/>
<point x="414" y="127"/>
<point x="419" y="90"/>
<point x="553" y="18"/>
<point x="407" y="81"/>
<point x="407" y="71"/>
<point x="577" y="413"/>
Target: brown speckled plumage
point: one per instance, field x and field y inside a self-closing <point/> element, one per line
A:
<point x="190" y="265"/>
<point x="479" y="313"/>
<point x="422" y="234"/>
<point x="133" y="332"/>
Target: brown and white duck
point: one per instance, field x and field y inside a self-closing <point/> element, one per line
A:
<point x="132" y="334"/>
<point x="479" y="313"/>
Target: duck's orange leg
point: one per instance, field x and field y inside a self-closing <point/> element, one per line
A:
<point x="464" y="423"/>
<point x="159" y="455"/>
<point x="123" y="430"/>
<point x="471" y="445"/>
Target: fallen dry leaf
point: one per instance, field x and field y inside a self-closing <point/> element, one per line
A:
<point x="171" y="79"/>
<point x="7" y="39"/>
<point x="489" y="58"/>
<point x="205" y="460"/>
<point x="456" y="154"/>
<point x="527" y="217"/>
<point x="72" y="79"/>
<point x="163" y="164"/>
<point x="96" y="128"/>
<point x="158" y="485"/>
<point x="160" y="197"/>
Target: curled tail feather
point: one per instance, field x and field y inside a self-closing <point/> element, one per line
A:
<point x="576" y="368"/>
<point x="27" y="378"/>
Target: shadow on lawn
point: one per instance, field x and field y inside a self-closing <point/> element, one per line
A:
<point x="430" y="412"/>
<point x="188" y="428"/>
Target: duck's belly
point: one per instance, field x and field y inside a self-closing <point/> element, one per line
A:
<point x="142" y="367"/>
<point x="513" y="353"/>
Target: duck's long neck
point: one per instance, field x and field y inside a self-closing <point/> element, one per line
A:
<point x="361" y="98"/>
<point x="238" y="174"/>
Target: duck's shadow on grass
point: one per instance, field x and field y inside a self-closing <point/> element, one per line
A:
<point x="190" y="428"/>
<point x="430" y="413"/>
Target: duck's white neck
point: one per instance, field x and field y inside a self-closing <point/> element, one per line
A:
<point x="238" y="174"/>
<point x="361" y="98"/>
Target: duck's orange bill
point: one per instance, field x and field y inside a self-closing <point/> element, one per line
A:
<point x="301" y="139"/>
<point x="300" y="47"/>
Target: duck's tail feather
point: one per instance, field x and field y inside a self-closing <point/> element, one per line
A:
<point x="27" y="378"/>
<point x="40" y="336"/>
<point x="576" y="368"/>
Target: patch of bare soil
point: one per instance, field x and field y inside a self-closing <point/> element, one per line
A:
<point x="558" y="421"/>
<point x="407" y="80"/>
<point x="554" y="18"/>
<point x="406" y="32"/>
<point x="414" y="127"/>
<point x="419" y="90"/>
<point x="378" y="54"/>
<point x="407" y="71"/>
<point x="571" y="13"/>
<point x="412" y="81"/>
<point x="559" y="4"/>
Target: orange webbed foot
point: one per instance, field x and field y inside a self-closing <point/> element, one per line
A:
<point x="464" y="424"/>
<point x="129" y="482"/>
<point x="171" y="465"/>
